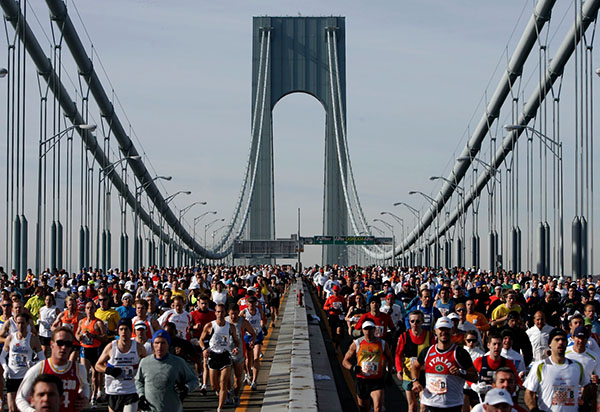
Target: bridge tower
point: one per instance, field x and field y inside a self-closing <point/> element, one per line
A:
<point x="297" y="59"/>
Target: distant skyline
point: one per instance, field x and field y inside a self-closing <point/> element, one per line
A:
<point x="418" y="73"/>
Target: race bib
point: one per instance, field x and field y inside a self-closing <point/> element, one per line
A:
<point x="128" y="373"/>
<point x="437" y="385"/>
<point x="369" y="368"/>
<point x="379" y="331"/>
<point x="564" y="395"/>
<point x="337" y="305"/>
<point x="86" y="340"/>
<point x="20" y="360"/>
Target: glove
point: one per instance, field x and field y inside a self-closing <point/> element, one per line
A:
<point x="182" y="390"/>
<point x="113" y="371"/>
<point x="481" y="388"/>
<point x="356" y="369"/>
<point x="143" y="404"/>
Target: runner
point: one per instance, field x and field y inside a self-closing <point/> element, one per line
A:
<point x="335" y="306"/>
<point x="119" y="361"/>
<point x="141" y="310"/>
<point x="73" y="375"/>
<point x="201" y="317"/>
<point x="91" y="332"/>
<point x="141" y="337"/>
<point x="180" y="317"/>
<point x="109" y="316"/>
<point x="580" y="353"/>
<point x="48" y="315"/>
<point x="47" y="391"/>
<point x="223" y="338"/>
<point x="17" y="356"/>
<point x="446" y="366"/>
<point x="242" y="326"/>
<point x="410" y="344"/>
<point x="163" y="380"/>
<point x="254" y="315"/>
<point x="373" y="360"/>
<point x="492" y="361"/>
<point x="554" y="384"/>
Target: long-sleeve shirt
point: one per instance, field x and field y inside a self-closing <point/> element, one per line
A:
<point x="156" y="379"/>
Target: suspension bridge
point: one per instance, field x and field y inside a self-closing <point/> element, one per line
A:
<point x="529" y="157"/>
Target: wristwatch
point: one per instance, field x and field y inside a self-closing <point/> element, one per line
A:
<point x="414" y="380"/>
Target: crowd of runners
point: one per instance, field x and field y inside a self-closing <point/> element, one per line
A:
<point x="137" y="341"/>
<point x="464" y="339"/>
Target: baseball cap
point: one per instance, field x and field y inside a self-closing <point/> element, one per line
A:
<point x="479" y="284"/>
<point x="460" y="305"/>
<point x="368" y="324"/>
<point x="124" y="321"/>
<point x="581" y="332"/>
<point x="81" y="289"/>
<point x="497" y="396"/>
<point x="443" y="322"/>
<point x="556" y="332"/>
<point x="127" y="296"/>
<point x="161" y="333"/>
<point x="516" y="286"/>
<point x="453" y="316"/>
<point x="335" y="288"/>
<point x="140" y="324"/>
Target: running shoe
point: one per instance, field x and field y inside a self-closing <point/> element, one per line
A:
<point x="203" y="390"/>
<point x="236" y="401"/>
<point x="253" y="386"/>
<point x="247" y="380"/>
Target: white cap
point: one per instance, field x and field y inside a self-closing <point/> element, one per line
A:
<point x="127" y="295"/>
<point x="81" y="289"/>
<point x="368" y="324"/>
<point x="497" y="396"/>
<point x="443" y="322"/>
<point x="453" y="316"/>
<point x="140" y="324"/>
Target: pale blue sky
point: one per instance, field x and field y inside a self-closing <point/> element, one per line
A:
<point x="417" y="72"/>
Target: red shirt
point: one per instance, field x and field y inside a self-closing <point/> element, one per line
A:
<point x="201" y="318"/>
<point x="70" y="382"/>
<point x="382" y="322"/>
<point x="494" y="365"/>
<point x="334" y="305"/>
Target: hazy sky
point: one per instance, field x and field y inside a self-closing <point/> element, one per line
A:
<point x="417" y="73"/>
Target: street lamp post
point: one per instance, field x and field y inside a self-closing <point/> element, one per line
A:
<point x="198" y="218"/>
<point x="43" y="150"/>
<point x="417" y="214"/>
<point x="391" y="228"/>
<point x="557" y="151"/>
<point x="168" y="200"/>
<point x="182" y="212"/>
<point x="137" y="248"/>
<point x="214" y="232"/>
<point x="401" y="222"/>
<point x="493" y="235"/>
<point x="103" y="173"/>
<point x="208" y="225"/>
<point x="437" y="225"/>
<point x="462" y="221"/>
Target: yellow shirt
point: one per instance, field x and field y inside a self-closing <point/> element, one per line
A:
<point x="181" y="293"/>
<point x="110" y="317"/>
<point x="501" y="311"/>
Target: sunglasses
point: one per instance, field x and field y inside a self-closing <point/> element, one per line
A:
<point x="102" y="300"/>
<point x="6" y="306"/>
<point x="67" y="343"/>
<point x="460" y="310"/>
<point x="471" y="340"/>
<point x="415" y="321"/>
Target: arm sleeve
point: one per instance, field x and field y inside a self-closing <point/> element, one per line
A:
<point x="83" y="381"/>
<point x="190" y="378"/>
<point x="400" y="349"/>
<point x="139" y="379"/>
<point x="24" y="391"/>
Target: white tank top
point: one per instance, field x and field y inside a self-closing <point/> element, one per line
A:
<point x="19" y="356"/>
<point x="220" y="340"/>
<point x="12" y="328"/>
<point x="128" y="362"/>
<point x="254" y="320"/>
<point x="47" y="318"/>
<point x="238" y="330"/>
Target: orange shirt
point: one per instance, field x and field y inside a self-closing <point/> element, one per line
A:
<point x="479" y="320"/>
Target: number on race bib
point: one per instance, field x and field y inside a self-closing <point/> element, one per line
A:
<point x="369" y="368"/>
<point x="437" y="385"/>
<point x="563" y="395"/>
